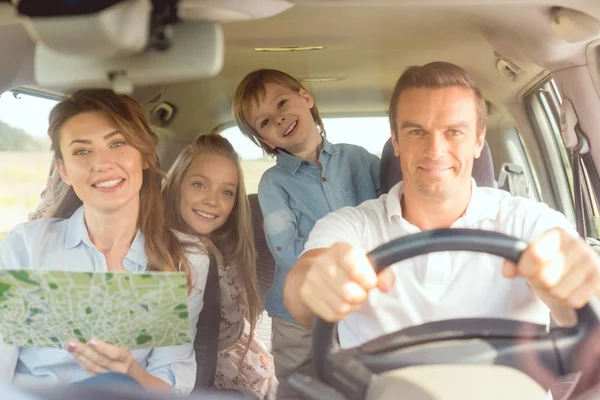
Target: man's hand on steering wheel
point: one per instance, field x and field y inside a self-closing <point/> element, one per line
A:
<point x="563" y="270"/>
<point x="339" y="280"/>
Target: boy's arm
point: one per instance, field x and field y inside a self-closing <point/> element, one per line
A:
<point x="280" y="224"/>
<point x="374" y="164"/>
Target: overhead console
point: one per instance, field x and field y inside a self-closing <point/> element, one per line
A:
<point x="120" y="44"/>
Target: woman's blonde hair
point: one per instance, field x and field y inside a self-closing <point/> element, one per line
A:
<point x="164" y="250"/>
<point x="235" y="239"/>
<point x="251" y="89"/>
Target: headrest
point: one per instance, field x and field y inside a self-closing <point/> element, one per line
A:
<point x="390" y="172"/>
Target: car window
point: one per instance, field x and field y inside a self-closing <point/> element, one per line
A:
<point x="368" y="132"/>
<point x="25" y="155"/>
<point x="544" y="105"/>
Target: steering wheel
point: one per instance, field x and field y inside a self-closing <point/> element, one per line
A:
<point x="347" y="374"/>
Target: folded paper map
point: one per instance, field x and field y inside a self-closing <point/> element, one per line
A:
<point x="40" y="308"/>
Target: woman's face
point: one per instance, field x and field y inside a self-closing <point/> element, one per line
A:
<point x="105" y="171"/>
<point x="208" y="192"/>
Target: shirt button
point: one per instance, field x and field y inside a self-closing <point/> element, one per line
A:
<point x="324" y="179"/>
<point x="305" y="163"/>
<point x="278" y="248"/>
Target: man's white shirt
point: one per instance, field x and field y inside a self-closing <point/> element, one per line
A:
<point x="442" y="285"/>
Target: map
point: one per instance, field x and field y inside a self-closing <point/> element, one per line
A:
<point x="41" y="308"/>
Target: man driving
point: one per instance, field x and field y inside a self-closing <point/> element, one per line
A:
<point x="438" y="122"/>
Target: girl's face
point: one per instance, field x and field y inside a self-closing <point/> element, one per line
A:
<point x="208" y="192"/>
<point x="106" y="172"/>
<point x="283" y="119"/>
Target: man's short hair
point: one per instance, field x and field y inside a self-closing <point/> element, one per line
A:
<point x="437" y="75"/>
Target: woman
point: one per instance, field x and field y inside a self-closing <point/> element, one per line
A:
<point x="110" y="218"/>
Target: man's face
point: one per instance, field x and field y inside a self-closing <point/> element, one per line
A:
<point x="437" y="140"/>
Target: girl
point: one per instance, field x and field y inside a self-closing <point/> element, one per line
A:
<point x="311" y="178"/>
<point x="108" y="217"/>
<point x="205" y="196"/>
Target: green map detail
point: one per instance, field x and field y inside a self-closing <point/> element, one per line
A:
<point x="22" y="276"/>
<point x="4" y="290"/>
<point x="49" y="308"/>
<point x="142" y="339"/>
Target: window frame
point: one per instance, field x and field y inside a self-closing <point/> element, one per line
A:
<point x="557" y="157"/>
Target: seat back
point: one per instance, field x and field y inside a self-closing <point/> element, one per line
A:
<point x="513" y="179"/>
<point x="206" y="343"/>
<point x="265" y="263"/>
<point x="390" y="172"/>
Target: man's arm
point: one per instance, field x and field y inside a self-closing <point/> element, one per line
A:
<point x="332" y="278"/>
<point x="563" y="271"/>
<point x="291" y="291"/>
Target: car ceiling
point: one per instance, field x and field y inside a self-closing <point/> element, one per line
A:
<point x="368" y="45"/>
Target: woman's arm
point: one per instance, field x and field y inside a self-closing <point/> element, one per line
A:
<point x="13" y="254"/>
<point x="8" y="361"/>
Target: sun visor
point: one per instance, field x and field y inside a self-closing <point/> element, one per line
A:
<point x="574" y="26"/>
<point x="196" y="51"/>
<point x="232" y="10"/>
<point x="118" y="30"/>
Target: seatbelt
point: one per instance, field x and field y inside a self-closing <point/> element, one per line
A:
<point x="576" y="169"/>
<point x="208" y="329"/>
<point x="575" y="142"/>
<point x="513" y="179"/>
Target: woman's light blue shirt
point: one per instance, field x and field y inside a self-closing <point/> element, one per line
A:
<point x="64" y="244"/>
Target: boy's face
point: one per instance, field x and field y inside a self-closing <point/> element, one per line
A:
<point x="282" y="118"/>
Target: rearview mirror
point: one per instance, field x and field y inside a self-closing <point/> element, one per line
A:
<point x="196" y="51"/>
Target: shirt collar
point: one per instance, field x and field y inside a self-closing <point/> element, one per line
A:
<point x="482" y="204"/>
<point x="77" y="232"/>
<point x="137" y="251"/>
<point x="328" y="147"/>
<point x="293" y="163"/>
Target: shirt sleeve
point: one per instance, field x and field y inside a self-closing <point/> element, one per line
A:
<point x="176" y="365"/>
<point x="537" y="218"/>
<point x="374" y="163"/>
<point x="13" y="249"/>
<point x="12" y="253"/>
<point x="280" y="224"/>
<point x="345" y="225"/>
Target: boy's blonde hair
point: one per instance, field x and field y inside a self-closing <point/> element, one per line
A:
<point x="250" y="91"/>
<point x="235" y="239"/>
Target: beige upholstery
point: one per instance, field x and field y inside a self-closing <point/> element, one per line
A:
<point x="455" y="382"/>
